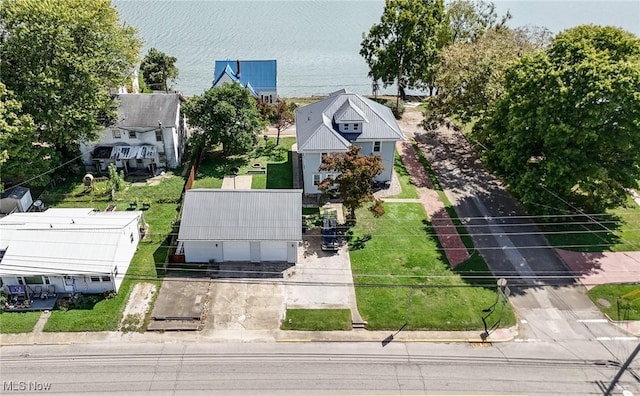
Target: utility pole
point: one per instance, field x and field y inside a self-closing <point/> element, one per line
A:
<point x="623" y="368"/>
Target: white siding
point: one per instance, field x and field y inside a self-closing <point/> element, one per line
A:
<point x="202" y="251"/>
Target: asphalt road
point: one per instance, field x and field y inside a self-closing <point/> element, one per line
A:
<point x="551" y="305"/>
<point x="313" y="368"/>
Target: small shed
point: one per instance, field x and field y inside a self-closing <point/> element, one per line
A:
<point x="17" y="199"/>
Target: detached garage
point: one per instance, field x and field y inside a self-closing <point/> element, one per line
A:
<point x="241" y="225"/>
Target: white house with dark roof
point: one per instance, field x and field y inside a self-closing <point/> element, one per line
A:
<point x="150" y="131"/>
<point x="68" y="250"/>
<point x="258" y="76"/>
<point x="336" y="123"/>
<point x="241" y="225"/>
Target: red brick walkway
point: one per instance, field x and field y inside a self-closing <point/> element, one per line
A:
<point x="449" y="238"/>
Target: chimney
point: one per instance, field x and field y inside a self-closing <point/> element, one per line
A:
<point x="238" y="68"/>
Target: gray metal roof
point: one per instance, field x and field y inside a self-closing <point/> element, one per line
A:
<point x="349" y="112"/>
<point x="241" y="215"/>
<point x="316" y="131"/>
<point x="146" y="110"/>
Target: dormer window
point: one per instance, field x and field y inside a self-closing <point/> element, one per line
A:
<point x="345" y="127"/>
<point x="356" y="127"/>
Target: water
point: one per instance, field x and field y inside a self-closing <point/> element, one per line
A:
<point x="316" y="43"/>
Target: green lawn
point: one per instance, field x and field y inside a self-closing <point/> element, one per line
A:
<point x="619" y="302"/>
<point x="401" y="275"/>
<point x="274" y="160"/>
<point x="317" y="319"/>
<point x="18" y="322"/>
<point x="408" y="189"/>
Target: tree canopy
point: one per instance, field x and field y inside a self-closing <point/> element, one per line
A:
<point x="281" y="115"/>
<point x="355" y="179"/>
<point x="402" y="48"/>
<point x="568" y="126"/>
<point x="226" y="115"/>
<point x="470" y="74"/>
<point x="158" y="69"/>
<point x="60" y="58"/>
<point x="22" y="158"/>
<point x="468" y="20"/>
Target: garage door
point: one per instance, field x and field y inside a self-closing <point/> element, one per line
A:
<point x="236" y="251"/>
<point x="273" y="251"/>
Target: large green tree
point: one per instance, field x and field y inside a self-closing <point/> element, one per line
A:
<point x="356" y="174"/>
<point x="402" y="48"/>
<point x="468" y="20"/>
<point x="22" y="157"/>
<point x="226" y="115"/>
<point x="470" y="74"/>
<point x="158" y="70"/>
<point x="568" y="127"/>
<point x="60" y="58"/>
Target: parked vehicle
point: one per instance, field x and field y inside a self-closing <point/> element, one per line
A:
<point x="330" y="234"/>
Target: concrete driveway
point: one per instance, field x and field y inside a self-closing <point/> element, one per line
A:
<point x="238" y="301"/>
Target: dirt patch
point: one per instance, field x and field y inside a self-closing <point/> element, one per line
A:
<point x="137" y="307"/>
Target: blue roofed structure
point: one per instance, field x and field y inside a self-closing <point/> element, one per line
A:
<point x="258" y="76"/>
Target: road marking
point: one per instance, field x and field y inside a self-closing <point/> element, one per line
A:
<point x="592" y="321"/>
<point x="616" y="338"/>
<point x="528" y="340"/>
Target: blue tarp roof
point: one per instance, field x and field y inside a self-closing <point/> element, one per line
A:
<point x="261" y="75"/>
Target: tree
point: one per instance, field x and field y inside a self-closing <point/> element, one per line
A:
<point x="22" y="157"/>
<point x="403" y="46"/>
<point x="283" y="116"/>
<point x="225" y="115"/>
<point x="574" y="111"/>
<point x="468" y="20"/>
<point x="470" y="74"/>
<point x="60" y="58"/>
<point x="354" y="181"/>
<point x="158" y="68"/>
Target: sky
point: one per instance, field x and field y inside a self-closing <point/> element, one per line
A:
<point x="557" y="15"/>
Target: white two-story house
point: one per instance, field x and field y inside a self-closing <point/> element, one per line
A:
<point x="339" y="121"/>
<point x="149" y="134"/>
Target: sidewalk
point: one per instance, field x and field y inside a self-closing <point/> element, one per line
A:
<point x="499" y="335"/>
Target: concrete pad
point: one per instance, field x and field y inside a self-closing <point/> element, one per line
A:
<point x="181" y="299"/>
<point x="247" y="304"/>
<point x="237" y="183"/>
<point x="174" y="325"/>
<point x="321" y="279"/>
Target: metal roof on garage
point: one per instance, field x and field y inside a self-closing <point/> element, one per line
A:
<point x="241" y="215"/>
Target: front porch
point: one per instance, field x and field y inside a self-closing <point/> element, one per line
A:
<point x="36" y="304"/>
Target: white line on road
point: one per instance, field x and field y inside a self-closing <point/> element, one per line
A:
<point x="592" y="321"/>
<point x="616" y="338"/>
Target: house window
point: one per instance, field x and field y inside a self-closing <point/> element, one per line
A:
<point x="106" y="279"/>
<point x="345" y="127"/>
<point x="95" y="279"/>
<point x="158" y="136"/>
<point x="355" y="127"/>
<point x="316" y="179"/>
<point x="46" y="280"/>
<point x="132" y="134"/>
<point x="116" y="133"/>
<point x="33" y="280"/>
<point x="376" y="147"/>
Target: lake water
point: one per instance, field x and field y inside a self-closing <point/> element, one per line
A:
<point x="316" y="43"/>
